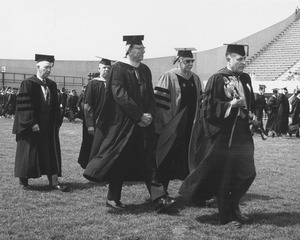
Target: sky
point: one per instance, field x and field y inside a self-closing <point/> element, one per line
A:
<point x="84" y="29"/>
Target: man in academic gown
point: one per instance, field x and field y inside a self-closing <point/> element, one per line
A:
<point x="72" y="105"/>
<point x="273" y="105"/>
<point x="63" y="97"/>
<point x="177" y="95"/>
<point x="295" y="115"/>
<point x="260" y="108"/>
<point x="93" y="101"/>
<point x="224" y="164"/>
<point x="282" y="122"/>
<point x="126" y="149"/>
<point x="36" y="125"/>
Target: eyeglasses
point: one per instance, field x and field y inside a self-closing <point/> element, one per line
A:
<point x="139" y="48"/>
<point x="187" y="61"/>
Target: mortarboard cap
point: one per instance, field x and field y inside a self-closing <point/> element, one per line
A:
<point x="285" y="88"/>
<point x="262" y="86"/>
<point x="237" y="48"/>
<point x="104" y="61"/>
<point x="185" y="52"/>
<point x="42" y="57"/>
<point x="133" y="39"/>
<point x="275" y="90"/>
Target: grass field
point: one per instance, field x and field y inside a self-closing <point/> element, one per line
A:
<point x="272" y="201"/>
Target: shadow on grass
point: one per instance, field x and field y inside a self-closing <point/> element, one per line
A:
<point x="212" y="219"/>
<point x="91" y="184"/>
<point x="71" y="185"/>
<point x="253" y="196"/>
<point x="279" y="219"/>
<point x="84" y="185"/>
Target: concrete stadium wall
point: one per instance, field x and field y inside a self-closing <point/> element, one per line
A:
<point x="210" y="61"/>
<point x="206" y="62"/>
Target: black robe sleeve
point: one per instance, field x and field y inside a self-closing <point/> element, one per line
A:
<point x="120" y="86"/>
<point x="24" y="117"/>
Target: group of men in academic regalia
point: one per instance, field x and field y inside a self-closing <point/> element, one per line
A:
<point x="8" y="97"/>
<point x="133" y="131"/>
<point x="279" y="109"/>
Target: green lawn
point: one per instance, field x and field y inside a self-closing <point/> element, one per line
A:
<point x="272" y="201"/>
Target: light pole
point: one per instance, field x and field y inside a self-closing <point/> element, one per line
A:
<point x="3" y="70"/>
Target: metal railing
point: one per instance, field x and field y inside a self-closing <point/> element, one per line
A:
<point x="15" y="79"/>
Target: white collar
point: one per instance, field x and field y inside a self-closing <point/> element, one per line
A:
<point x="128" y="61"/>
<point x="40" y="78"/>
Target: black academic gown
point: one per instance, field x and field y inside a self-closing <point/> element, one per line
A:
<point x="260" y="107"/>
<point x="218" y="162"/>
<point x="273" y="105"/>
<point x="120" y="146"/>
<point x="295" y="115"/>
<point x="37" y="153"/>
<point x="93" y="102"/>
<point x="283" y="115"/>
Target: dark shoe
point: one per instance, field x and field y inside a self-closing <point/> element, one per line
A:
<point x="115" y="205"/>
<point x="163" y="204"/>
<point x="237" y="214"/>
<point x="232" y="224"/>
<point x="23" y="181"/>
<point x="61" y="188"/>
<point x="24" y="184"/>
<point x="210" y="202"/>
<point x="263" y="136"/>
<point x="271" y="134"/>
<point x="27" y="187"/>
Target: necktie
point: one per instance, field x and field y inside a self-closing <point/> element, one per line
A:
<point x="140" y="81"/>
<point x="47" y="92"/>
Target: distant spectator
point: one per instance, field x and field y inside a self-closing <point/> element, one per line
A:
<point x="273" y="105"/>
<point x="253" y="76"/>
<point x="72" y="102"/>
<point x="296" y="77"/>
<point x="283" y="113"/>
<point x="261" y="107"/>
<point x="79" y="104"/>
<point x="295" y="115"/>
<point x="290" y="76"/>
<point x="63" y="96"/>
<point x="292" y="98"/>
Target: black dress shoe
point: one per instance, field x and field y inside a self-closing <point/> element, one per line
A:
<point x="163" y="204"/>
<point x="232" y="224"/>
<point x="27" y="187"/>
<point x="237" y="214"/>
<point x="210" y="202"/>
<point x="61" y="188"/>
<point x="115" y="204"/>
<point x="23" y="181"/>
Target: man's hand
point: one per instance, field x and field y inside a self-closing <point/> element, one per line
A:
<point x="146" y="120"/>
<point x="35" y="128"/>
<point x="91" y="130"/>
<point x="237" y="103"/>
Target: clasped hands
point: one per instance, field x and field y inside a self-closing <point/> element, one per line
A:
<point x="145" y="120"/>
<point x="35" y="128"/>
<point x="237" y="102"/>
